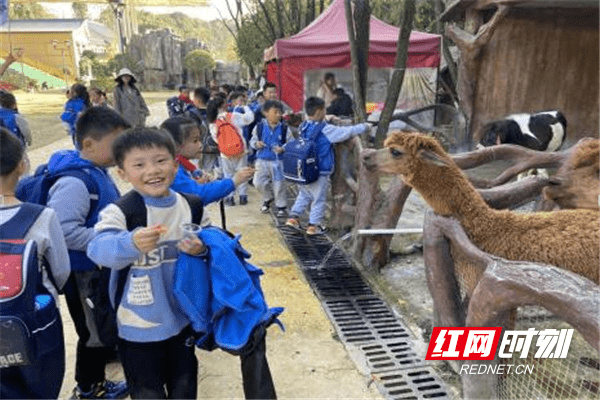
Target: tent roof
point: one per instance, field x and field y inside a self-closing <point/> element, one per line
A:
<point x="328" y="35"/>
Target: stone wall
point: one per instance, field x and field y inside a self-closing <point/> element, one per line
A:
<point x="159" y="56"/>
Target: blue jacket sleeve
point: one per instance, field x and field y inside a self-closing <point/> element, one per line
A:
<point x="208" y="192"/>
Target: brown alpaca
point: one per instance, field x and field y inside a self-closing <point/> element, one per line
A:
<point x="577" y="182"/>
<point x="568" y="239"/>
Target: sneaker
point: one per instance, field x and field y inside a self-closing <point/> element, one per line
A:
<point x="266" y="206"/>
<point x="315" y="230"/>
<point x="103" y="390"/>
<point x="230" y="201"/>
<point x="281" y="212"/>
<point x="243" y="200"/>
<point x="293" y="222"/>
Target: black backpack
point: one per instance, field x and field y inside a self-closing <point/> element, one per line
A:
<point x="175" y="106"/>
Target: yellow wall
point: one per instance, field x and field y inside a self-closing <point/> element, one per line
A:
<point x="40" y="53"/>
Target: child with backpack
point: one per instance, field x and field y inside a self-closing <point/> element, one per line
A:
<point x="186" y="135"/>
<point x="227" y="132"/>
<point x="210" y="149"/>
<point x="323" y="135"/>
<point x="268" y="138"/>
<point x="12" y="119"/>
<point x="155" y="337"/>
<point x="31" y="368"/>
<point x="79" y="100"/>
<point x="76" y="184"/>
<point x="142" y="238"/>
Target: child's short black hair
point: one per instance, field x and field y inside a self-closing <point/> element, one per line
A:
<point x="202" y="94"/>
<point x="179" y="127"/>
<point x="7" y="100"/>
<point x="213" y="107"/>
<point x="235" y="95"/>
<point x="97" y="122"/>
<point x="141" y="138"/>
<point x="272" y="104"/>
<point x="269" y="85"/>
<point x="339" y="92"/>
<point x="11" y="152"/>
<point x="313" y="104"/>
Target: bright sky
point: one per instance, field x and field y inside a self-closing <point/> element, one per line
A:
<point x="208" y="13"/>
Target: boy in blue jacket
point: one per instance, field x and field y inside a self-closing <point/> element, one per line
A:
<point x="268" y="138"/>
<point x="156" y="340"/>
<point x="189" y="178"/>
<point x="315" y="194"/>
<point x="79" y="100"/>
<point x="77" y="212"/>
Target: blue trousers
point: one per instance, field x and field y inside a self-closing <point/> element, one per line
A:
<point x="315" y="195"/>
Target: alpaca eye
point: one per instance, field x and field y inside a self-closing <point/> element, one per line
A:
<point x="396" y="152"/>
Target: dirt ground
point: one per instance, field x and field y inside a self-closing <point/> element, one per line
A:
<point x="306" y="360"/>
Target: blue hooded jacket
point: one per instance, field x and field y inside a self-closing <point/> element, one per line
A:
<point x="107" y="192"/>
<point x="221" y="293"/>
<point x="73" y="107"/>
<point x="9" y="119"/>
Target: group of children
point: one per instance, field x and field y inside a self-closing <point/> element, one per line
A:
<point x="84" y="224"/>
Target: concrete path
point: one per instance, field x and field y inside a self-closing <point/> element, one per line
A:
<point x="306" y="360"/>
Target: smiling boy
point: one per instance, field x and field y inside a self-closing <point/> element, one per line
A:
<point x="156" y="340"/>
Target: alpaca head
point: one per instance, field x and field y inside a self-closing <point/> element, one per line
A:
<point x="576" y="183"/>
<point x="409" y="154"/>
<point x="420" y="161"/>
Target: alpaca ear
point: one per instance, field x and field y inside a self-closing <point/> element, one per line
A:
<point x="432" y="157"/>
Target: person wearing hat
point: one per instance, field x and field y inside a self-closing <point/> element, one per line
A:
<point x="128" y="99"/>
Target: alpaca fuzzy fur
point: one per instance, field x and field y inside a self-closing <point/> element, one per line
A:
<point x="568" y="239"/>
<point x="577" y="182"/>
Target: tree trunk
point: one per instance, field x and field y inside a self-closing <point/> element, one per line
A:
<point x="359" y="49"/>
<point x="398" y="75"/>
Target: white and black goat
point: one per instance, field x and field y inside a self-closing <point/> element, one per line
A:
<point x="542" y="131"/>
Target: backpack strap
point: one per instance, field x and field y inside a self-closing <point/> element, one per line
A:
<point x="18" y="226"/>
<point x="196" y="206"/>
<point x="284" y="130"/>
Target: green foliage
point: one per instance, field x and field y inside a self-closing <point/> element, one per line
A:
<point x="390" y="11"/>
<point x="125" y="60"/>
<point x="80" y="10"/>
<point x="250" y="44"/>
<point x="198" y="60"/>
<point x="28" y="11"/>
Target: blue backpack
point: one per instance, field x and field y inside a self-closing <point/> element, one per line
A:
<point x="300" y="156"/>
<point x="30" y="324"/>
<point x="8" y="119"/>
<point x="35" y="188"/>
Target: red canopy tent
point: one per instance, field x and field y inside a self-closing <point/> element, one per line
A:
<point x="324" y="44"/>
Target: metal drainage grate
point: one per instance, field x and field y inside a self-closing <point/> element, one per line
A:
<point x="404" y="385"/>
<point x="338" y="282"/>
<point x="390" y="355"/>
<point x="364" y="320"/>
<point x="375" y="338"/>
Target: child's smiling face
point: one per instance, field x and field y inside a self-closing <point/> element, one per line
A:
<point x="149" y="170"/>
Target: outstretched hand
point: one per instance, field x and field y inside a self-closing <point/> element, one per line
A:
<point x="243" y="175"/>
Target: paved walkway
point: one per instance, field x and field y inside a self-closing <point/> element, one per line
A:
<point x="306" y="360"/>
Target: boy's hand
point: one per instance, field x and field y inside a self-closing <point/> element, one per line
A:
<point x="191" y="246"/>
<point x="278" y="149"/>
<point x="146" y="239"/>
<point x="260" y="145"/>
<point x="243" y="175"/>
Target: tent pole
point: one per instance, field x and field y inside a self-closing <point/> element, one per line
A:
<point x="279" y="78"/>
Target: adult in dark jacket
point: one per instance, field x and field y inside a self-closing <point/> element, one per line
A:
<point x="341" y="105"/>
<point x="128" y="100"/>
